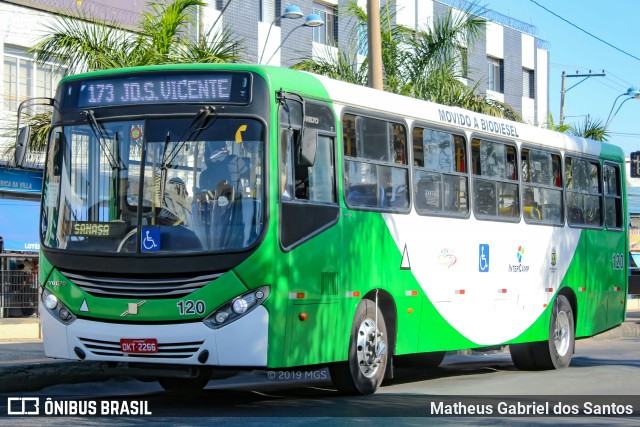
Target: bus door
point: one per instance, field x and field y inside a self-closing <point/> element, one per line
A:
<point x="308" y="229"/>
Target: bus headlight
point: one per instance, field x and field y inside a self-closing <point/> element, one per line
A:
<point x="50" y="300"/>
<point x="237" y="307"/>
<point x="56" y="308"/>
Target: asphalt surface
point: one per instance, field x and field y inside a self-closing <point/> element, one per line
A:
<point x="24" y="366"/>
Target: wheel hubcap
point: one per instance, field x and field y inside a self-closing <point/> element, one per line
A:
<point x="370" y="349"/>
<point x="561" y="334"/>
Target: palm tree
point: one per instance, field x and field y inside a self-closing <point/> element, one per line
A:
<point x="91" y="44"/>
<point x="551" y="125"/>
<point x="592" y="129"/>
<point x="424" y="64"/>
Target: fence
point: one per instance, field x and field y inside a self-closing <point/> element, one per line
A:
<point x="19" y="294"/>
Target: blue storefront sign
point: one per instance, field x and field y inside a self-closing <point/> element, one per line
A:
<point x="19" y="225"/>
<point x="20" y="180"/>
<point x="19" y="218"/>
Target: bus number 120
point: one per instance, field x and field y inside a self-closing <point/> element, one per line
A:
<point x="191" y="307"/>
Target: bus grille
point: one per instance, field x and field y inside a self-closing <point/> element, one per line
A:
<point x="182" y="350"/>
<point x="139" y="288"/>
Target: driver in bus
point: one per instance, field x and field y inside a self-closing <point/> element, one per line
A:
<point x="223" y="171"/>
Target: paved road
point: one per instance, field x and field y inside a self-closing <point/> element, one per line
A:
<point x="607" y="365"/>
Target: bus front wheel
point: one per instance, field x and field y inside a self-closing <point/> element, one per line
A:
<point x="364" y="370"/>
<point x="557" y="351"/>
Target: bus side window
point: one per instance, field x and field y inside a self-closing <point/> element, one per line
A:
<point x="375" y="163"/>
<point x="496" y="187"/>
<point x="440" y="178"/>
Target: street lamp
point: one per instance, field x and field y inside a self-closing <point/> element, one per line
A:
<point x="312" y="20"/>
<point x="290" y="12"/>
<point x="632" y="93"/>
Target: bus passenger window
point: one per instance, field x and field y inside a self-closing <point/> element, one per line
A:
<point x="612" y="197"/>
<point x="582" y="179"/>
<point x="542" y="194"/>
<point x="496" y="179"/>
<point x="440" y="181"/>
<point x="376" y="167"/>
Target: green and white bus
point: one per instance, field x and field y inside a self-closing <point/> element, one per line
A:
<point x="202" y="218"/>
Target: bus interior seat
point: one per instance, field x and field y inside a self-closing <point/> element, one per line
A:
<point x="363" y="195"/>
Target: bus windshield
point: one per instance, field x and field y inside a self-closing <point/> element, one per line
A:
<point x="154" y="186"/>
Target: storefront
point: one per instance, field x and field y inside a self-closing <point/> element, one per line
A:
<point x="20" y="192"/>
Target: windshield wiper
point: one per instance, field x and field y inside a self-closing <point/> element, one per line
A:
<point x="101" y="135"/>
<point x="197" y="125"/>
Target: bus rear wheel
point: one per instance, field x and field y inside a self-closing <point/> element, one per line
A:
<point x="557" y="351"/>
<point x="364" y="370"/>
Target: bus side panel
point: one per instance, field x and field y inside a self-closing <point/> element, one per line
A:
<point x="607" y="275"/>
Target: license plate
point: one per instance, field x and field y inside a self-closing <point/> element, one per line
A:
<point x="139" y="345"/>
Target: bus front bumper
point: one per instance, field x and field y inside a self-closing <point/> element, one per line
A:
<point x="240" y="343"/>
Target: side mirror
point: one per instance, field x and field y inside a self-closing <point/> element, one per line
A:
<point x="22" y="145"/>
<point x="307" y="147"/>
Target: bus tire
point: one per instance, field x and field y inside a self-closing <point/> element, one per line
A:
<point x="562" y="334"/>
<point x="557" y="351"/>
<point x="364" y="370"/>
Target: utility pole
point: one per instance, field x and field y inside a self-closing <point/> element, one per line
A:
<point x="564" y="79"/>
<point x="374" y="41"/>
<point x="563" y="91"/>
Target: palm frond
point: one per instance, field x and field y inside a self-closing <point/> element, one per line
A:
<point x="217" y="46"/>
<point x="592" y="129"/>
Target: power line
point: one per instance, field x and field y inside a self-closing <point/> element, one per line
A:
<point x="584" y="31"/>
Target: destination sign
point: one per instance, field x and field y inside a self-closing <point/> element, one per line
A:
<point x="153" y="89"/>
<point x="98" y="229"/>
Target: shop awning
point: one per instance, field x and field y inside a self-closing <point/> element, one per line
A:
<point x="19" y="225"/>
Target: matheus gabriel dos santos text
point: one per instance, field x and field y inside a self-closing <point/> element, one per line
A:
<point x="530" y="408"/>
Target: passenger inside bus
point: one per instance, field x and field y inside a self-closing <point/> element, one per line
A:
<point x="221" y="184"/>
<point x="531" y="208"/>
<point x="222" y="167"/>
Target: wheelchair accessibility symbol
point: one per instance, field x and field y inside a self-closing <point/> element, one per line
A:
<point x="483" y="258"/>
<point x="150" y="239"/>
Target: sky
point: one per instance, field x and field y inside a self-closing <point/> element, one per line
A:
<point x="574" y="51"/>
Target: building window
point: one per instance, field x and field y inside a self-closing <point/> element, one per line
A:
<point x="219" y="4"/>
<point x="327" y="33"/>
<point x="269" y="10"/>
<point x="528" y="83"/>
<point x="23" y="78"/>
<point x="495" y="75"/>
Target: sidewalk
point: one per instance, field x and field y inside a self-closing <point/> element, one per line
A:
<point x="24" y="366"/>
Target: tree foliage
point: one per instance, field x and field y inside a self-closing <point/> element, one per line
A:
<point x="426" y="64"/>
<point x="91" y="44"/>
<point x="590" y="128"/>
